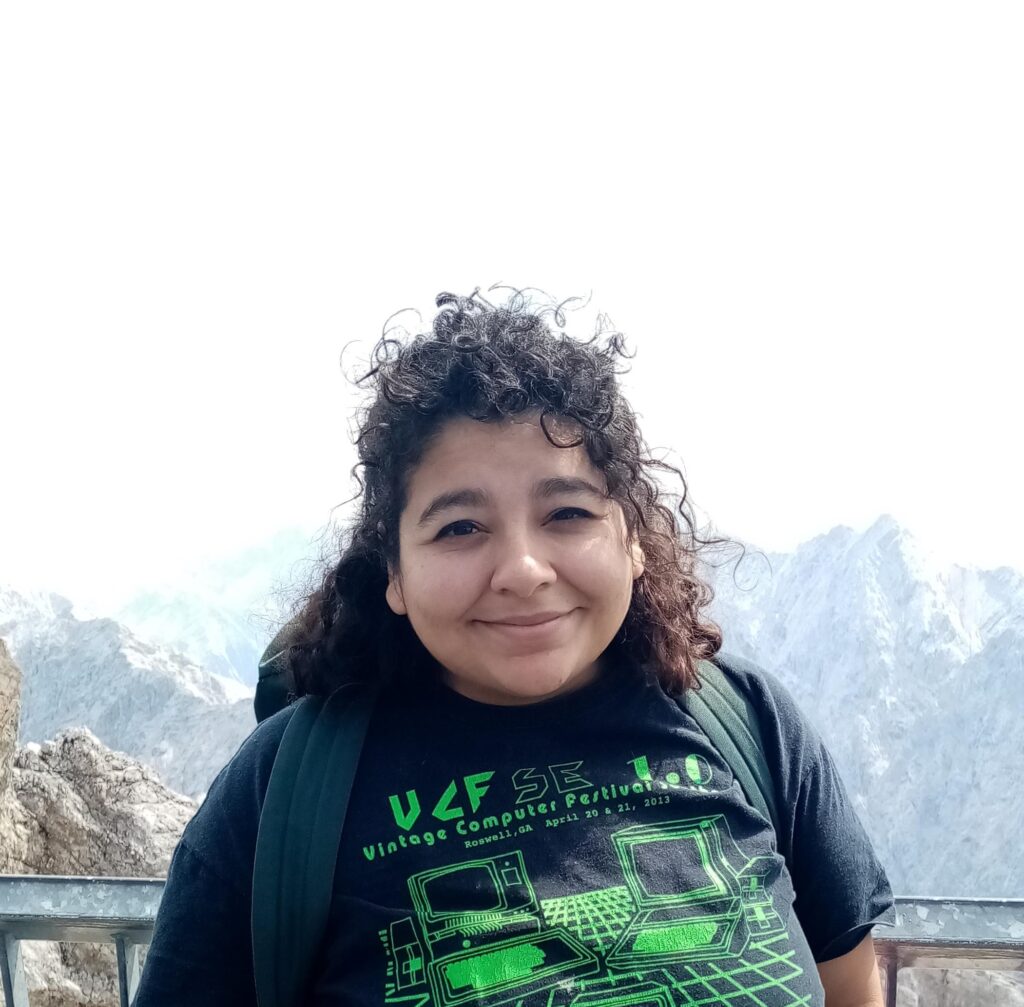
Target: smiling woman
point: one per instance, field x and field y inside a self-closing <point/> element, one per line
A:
<point x="544" y="814"/>
<point x="455" y="416"/>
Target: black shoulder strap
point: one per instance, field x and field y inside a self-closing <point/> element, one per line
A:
<point x="275" y="678"/>
<point x="730" y="722"/>
<point x="297" y="843"/>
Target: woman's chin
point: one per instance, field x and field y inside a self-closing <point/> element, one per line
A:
<point x="524" y="686"/>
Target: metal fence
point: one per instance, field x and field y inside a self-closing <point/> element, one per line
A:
<point x="939" y="933"/>
<point x="929" y="932"/>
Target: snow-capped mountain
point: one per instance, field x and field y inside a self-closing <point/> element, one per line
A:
<point x="227" y="612"/>
<point x="137" y="698"/>
<point x="222" y="641"/>
<point x="914" y="674"/>
<point x="912" y="671"/>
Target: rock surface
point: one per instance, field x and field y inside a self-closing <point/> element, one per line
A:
<point x="959" y="988"/>
<point x="72" y="806"/>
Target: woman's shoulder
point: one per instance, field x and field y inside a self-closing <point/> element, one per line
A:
<point x="772" y="700"/>
<point x="792" y="744"/>
<point x="254" y="758"/>
<point x="224" y="828"/>
<point x="841" y="887"/>
<point x="264" y="740"/>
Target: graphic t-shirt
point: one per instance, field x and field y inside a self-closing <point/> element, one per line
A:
<point x="590" y="851"/>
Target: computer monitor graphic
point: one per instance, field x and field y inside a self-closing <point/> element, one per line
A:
<point x="489" y="893"/>
<point x="483" y="930"/>
<point x="687" y="895"/>
<point x="654" y="857"/>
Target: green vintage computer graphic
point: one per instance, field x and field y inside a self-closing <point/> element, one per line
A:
<point x="479" y="933"/>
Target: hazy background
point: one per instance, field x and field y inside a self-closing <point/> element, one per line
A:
<point x="806" y="218"/>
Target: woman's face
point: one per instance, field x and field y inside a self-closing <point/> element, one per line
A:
<point x="515" y="569"/>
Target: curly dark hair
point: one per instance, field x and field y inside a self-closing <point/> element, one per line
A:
<point x="491" y="363"/>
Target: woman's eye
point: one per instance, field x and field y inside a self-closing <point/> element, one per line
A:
<point x="566" y="513"/>
<point x="457" y="529"/>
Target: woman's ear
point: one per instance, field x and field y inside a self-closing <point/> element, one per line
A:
<point x="637" y="555"/>
<point x="393" y="595"/>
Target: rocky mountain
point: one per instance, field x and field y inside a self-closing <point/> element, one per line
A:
<point x="72" y="806"/>
<point x="135" y="697"/>
<point x="914" y="674"/>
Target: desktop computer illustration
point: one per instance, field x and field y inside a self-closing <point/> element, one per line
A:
<point x="479" y="933"/>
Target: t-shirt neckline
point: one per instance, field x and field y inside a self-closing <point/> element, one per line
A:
<point x="616" y="680"/>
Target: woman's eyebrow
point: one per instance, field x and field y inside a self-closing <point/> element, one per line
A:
<point x="554" y="486"/>
<point x="558" y="485"/>
<point x="453" y="498"/>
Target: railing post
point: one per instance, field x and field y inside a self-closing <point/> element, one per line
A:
<point x="128" y="973"/>
<point x="15" y="988"/>
<point x="891" y="979"/>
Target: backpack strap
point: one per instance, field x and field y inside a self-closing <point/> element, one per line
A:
<point x="297" y="843"/>
<point x="275" y="682"/>
<point x="727" y="717"/>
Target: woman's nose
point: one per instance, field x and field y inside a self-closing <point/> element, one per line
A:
<point x="520" y="566"/>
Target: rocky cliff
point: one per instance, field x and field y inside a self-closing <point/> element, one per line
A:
<point x="72" y="806"/>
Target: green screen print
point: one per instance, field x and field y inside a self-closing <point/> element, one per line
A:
<point x="479" y="934"/>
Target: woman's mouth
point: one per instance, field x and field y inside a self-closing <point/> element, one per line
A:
<point x="528" y="627"/>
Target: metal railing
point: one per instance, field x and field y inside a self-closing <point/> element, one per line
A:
<point x="940" y="933"/>
<point x="929" y="932"/>
<point x="120" y="911"/>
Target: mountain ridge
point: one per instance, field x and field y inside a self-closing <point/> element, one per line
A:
<point x="908" y="667"/>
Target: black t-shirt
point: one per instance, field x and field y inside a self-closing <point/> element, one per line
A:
<point x="589" y="850"/>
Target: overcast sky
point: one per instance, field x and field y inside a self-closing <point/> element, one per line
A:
<point x="806" y="218"/>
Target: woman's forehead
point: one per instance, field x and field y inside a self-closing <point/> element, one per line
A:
<point x="512" y="450"/>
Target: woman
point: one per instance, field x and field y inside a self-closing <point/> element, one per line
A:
<point x="536" y="819"/>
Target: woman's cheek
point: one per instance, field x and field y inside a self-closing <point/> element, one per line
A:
<point x="444" y="586"/>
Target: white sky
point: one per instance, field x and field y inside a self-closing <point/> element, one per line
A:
<point x="807" y="218"/>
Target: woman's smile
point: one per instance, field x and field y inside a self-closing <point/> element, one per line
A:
<point x="538" y="629"/>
